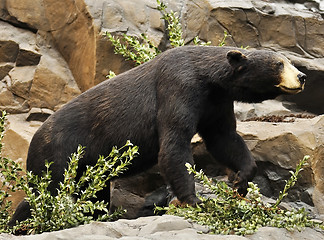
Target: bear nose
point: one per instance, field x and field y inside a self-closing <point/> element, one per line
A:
<point x="302" y="77"/>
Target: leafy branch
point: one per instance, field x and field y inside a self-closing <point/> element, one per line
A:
<point x="292" y="180"/>
<point x="227" y="212"/>
<point x="73" y="204"/>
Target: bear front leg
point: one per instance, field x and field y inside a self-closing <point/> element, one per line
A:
<point x="231" y="150"/>
<point x="173" y="155"/>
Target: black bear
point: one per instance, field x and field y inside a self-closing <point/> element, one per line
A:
<point x="159" y="106"/>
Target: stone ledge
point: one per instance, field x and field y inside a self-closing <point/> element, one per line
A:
<point x="164" y="227"/>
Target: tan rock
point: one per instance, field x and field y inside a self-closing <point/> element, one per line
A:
<point x="21" y="80"/>
<point x="10" y="102"/>
<point x="23" y="38"/>
<point x="5" y="69"/>
<point x="50" y="90"/>
<point x="74" y="37"/>
<point x="53" y="84"/>
<point x="28" y="11"/>
<point x="48" y="84"/>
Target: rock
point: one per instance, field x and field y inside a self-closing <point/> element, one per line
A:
<point x="39" y="114"/>
<point x="28" y="12"/>
<point x="139" y="194"/>
<point x="34" y="81"/>
<point x="5" y="69"/>
<point x="282" y="234"/>
<point x="53" y="84"/>
<point x="161" y="228"/>
<point x="8" y="51"/>
<point x="278" y="147"/>
<point x="21" y="80"/>
<point x="245" y="111"/>
<point x="12" y="103"/>
<point x="27" y="58"/>
<point x="43" y="82"/>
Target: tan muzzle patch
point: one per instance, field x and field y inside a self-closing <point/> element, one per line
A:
<point x="291" y="81"/>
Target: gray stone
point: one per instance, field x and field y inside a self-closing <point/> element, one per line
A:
<point x="245" y="111"/>
<point x="160" y="228"/>
<point x="139" y="194"/>
<point x="163" y="224"/>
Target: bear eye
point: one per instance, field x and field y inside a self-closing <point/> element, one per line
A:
<point x="280" y="64"/>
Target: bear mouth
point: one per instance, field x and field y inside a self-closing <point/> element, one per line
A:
<point x="291" y="90"/>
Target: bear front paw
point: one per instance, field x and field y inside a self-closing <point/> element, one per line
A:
<point x="191" y="201"/>
<point x="241" y="184"/>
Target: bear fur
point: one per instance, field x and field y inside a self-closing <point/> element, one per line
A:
<point x="159" y="106"/>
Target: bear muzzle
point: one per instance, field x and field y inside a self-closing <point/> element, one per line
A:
<point x="292" y="80"/>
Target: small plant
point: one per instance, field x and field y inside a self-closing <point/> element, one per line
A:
<point x="6" y="186"/>
<point x="291" y="181"/>
<point x="133" y="49"/>
<point x="222" y="42"/>
<point x="230" y="213"/>
<point x="71" y="206"/>
<point x="173" y="25"/>
<point x="111" y="75"/>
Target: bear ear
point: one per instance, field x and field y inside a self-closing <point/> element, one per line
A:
<point x="234" y="57"/>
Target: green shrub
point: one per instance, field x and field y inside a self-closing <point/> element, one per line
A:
<point x="230" y="213"/>
<point x="71" y="206"/>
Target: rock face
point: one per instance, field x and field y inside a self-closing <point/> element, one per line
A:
<point x="279" y="146"/>
<point x="33" y="74"/>
<point x="161" y="228"/>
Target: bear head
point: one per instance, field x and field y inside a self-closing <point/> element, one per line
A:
<point x="260" y="75"/>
